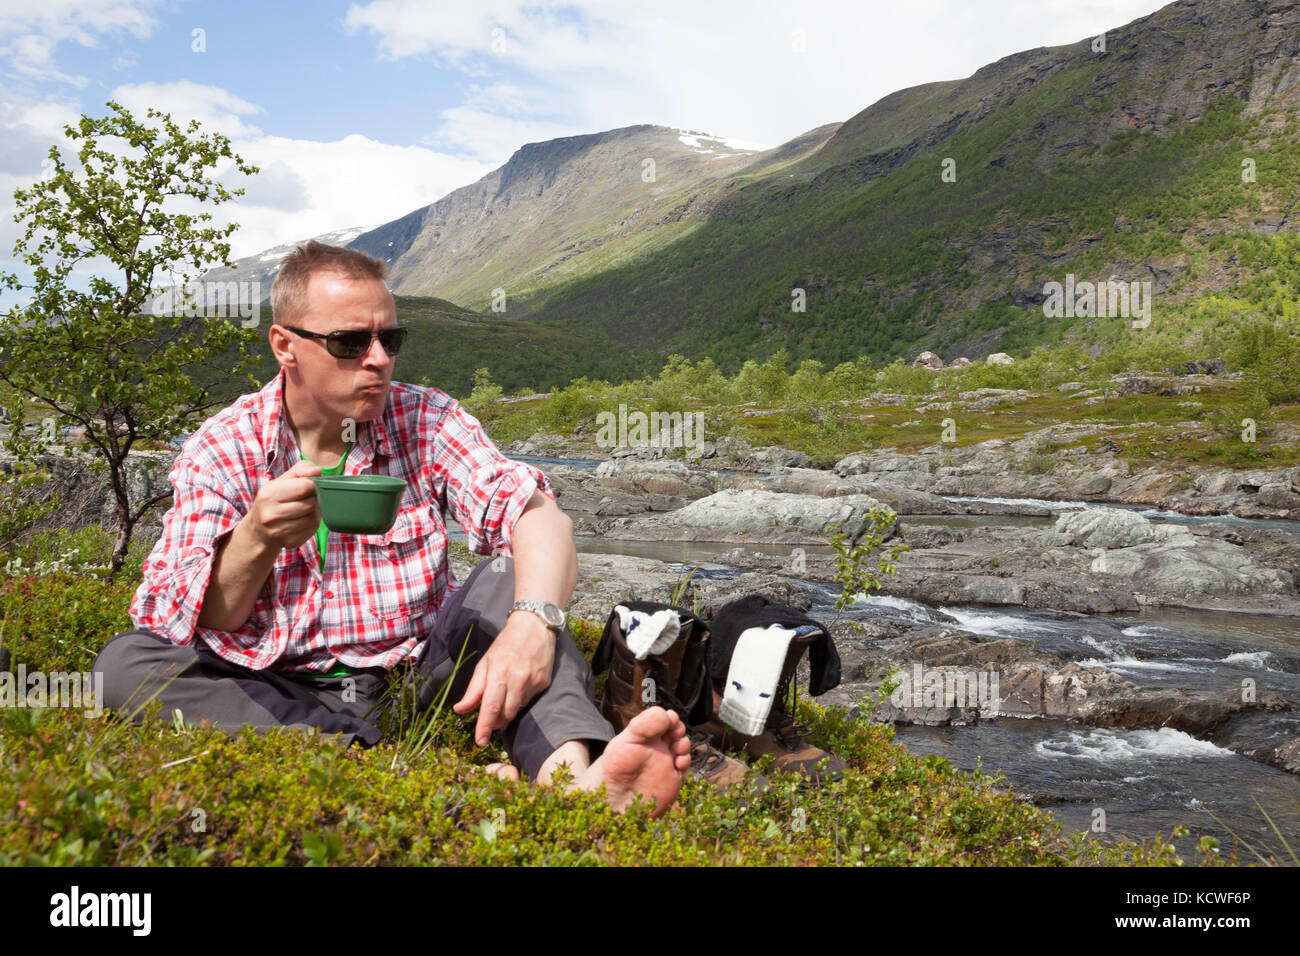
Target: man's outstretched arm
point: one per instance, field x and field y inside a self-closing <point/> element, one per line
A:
<point x="517" y="667"/>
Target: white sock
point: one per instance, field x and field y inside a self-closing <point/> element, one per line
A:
<point x="648" y="634"/>
<point x="752" y="678"/>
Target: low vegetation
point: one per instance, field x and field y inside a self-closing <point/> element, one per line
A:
<point x="83" y="791"/>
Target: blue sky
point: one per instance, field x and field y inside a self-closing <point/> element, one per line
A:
<point x="360" y="112"/>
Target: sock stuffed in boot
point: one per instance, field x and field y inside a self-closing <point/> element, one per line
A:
<point x="648" y="634"/>
<point x="753" y="677"/>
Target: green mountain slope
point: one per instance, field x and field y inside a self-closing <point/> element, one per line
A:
<point x="1127" y="162"/>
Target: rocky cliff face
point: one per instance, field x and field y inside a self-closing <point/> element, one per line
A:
<point x="1149" y="75"/>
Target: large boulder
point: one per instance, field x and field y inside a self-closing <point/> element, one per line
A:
<point x="753" y="516"/>
<point x="651" y="478"/>
<point x="1278" y="495"/>
<point x="1130" y="385"/>
<point x="775" y="458"/>
<point x="1104" y="528"/>
<point x="999" y="358"/>
<point x="928" y="360"/>
<point x="1192" y="567"/>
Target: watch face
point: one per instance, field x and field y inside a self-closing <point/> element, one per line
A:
<point x="552" y="615"/>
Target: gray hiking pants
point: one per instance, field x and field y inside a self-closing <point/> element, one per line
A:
<point x="204" y="686"/>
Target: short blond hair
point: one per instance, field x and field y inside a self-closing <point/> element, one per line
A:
<point x="289" y="290"/>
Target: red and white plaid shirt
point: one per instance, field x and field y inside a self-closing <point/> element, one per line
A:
<point x="379" y="594"/>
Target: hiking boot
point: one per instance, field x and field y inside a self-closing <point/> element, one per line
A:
<point x="676" y="680"/>
<point x="781" y="737"/>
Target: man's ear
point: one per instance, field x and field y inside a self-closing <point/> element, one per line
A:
<point x="279" y="338"/>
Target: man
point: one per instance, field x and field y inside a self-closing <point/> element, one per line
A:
<point x="251" y="612"/>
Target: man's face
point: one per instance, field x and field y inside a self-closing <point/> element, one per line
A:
<point x="349" y="388"/>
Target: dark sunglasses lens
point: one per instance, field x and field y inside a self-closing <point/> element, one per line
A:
<point x="348" y="344"/>
<point x="354" y="344"/>
<point x="392" y="339"/>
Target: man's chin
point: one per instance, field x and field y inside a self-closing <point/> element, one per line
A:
<point x="369" y="406"/>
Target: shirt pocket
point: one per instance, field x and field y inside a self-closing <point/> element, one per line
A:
<point x="399" y="570"/>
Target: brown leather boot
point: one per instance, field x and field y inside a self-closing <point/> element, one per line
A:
<point x="677" y="680"/>
<point x="780" y="738"/>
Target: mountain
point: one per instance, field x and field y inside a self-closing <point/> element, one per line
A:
<point x="561" y="209"/>
<point x="258" y="272"/>
<point x="1166" y="151"/>
<point x="1126" y="161"/>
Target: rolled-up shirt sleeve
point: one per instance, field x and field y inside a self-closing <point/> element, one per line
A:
<point x="486" y="492"/>
<point x="176" y="573"/>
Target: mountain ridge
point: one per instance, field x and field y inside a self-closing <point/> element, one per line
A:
<point x="1065" y="158"/>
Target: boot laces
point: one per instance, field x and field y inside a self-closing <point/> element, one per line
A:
<point x="705" y="759"/>
<point x="781" y="722"/>
<point x="790" y="735"/>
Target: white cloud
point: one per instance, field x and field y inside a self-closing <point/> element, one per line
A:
<point x="763" y="70"/>
<point x="80" y="21"/>
<point x="34" y="28"/>
<point x="217" y="109"/>
<point x="490" y="138"/>
<point x="349" y="182"/>
<point x="30" y="56"/>
<point x="306" y="188"/>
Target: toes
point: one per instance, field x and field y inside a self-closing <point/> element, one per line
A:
<point x="651" y="723"/>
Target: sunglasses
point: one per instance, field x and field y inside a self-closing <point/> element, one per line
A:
<point x="354" y="343"/>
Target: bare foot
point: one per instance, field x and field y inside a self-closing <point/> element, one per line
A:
<point x="648" y="758"/>
<point x="502" y="771"/>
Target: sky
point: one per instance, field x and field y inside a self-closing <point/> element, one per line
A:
<point x="358" y="113"/>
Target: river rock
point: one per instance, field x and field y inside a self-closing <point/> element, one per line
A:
<point x="652" y="478"/>
<point x="776" y="457"/>
<point x="1190" y="567"/>
<point x="1104" y="528"/>
<point x="902" y="469"/>
<point x="709" y="596"/>
<point x="1196" y="714"/>
<point x="605" y="580"/>
<point x="793" y="481"/>
<point x="909" y="501"/>
<point x="753" y="516"/>
<point x="1091" y="486"/>
<point x="1278" y="495"/>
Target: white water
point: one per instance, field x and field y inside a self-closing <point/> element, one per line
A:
<point x="990" y="622"/>
<point x="1260" y="660"/>
<point x="1117" y="659"/>
<point x="1037" y="502"/>
<point x="1114" y="746"/>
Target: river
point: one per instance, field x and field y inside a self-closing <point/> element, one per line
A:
<point x="1132" y="782"/>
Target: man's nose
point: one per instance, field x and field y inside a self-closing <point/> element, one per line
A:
<point x="375" y="355"/>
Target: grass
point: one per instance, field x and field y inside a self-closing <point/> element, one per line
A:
<point x="79" y="791"/>
<point x="1149" y="428"/>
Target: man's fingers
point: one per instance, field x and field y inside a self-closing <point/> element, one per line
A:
<point x="489" y="712"/>
<point x="514" y="701"/>
<point x="474" y="692"/>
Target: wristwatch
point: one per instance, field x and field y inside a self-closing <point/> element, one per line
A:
<point x="548" y="612"/>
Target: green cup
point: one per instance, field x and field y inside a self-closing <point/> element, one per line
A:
<point x="359" y="504"/>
